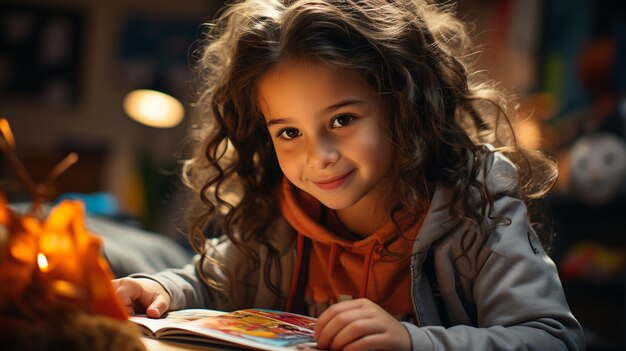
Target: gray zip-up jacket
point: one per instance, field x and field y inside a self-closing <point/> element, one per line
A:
<point x="504" y="295"/>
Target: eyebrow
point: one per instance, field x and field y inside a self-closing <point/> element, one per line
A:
<point x="328" y="109"/>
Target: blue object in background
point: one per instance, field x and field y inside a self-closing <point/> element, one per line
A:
<point x="100" y="203"/>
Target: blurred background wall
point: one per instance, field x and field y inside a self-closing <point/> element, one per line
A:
<point x="66" y="66"/>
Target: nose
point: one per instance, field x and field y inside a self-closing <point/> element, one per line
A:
<point x="321" y="154"/>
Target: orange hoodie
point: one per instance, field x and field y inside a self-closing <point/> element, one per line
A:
<point x="340" y="268"/>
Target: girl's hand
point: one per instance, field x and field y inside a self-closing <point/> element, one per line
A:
<point x="139" y="295"/>
<point x="360" y="325"/>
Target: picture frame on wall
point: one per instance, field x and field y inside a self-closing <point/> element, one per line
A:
<point x="41" y="52"/>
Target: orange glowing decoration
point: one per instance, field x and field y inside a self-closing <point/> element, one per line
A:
<point x="50" y="260"/>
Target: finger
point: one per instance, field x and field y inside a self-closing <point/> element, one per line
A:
<point x="157" y="307"/>
<point x="115" y="284"/>
<point x="125" y="291"/>
<point x="307" y="348"/>
<point x="347" y="326"/>
<point x="370" y="342"/>
<point x="334" y="310"/>
<point x="394" y="336"/>
<point x="354" y="331"/>
<point x="133" y="295"/>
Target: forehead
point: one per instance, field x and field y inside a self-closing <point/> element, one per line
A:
<point x="305" y="84"/>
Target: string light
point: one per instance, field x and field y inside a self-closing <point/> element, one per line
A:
<point x="42" y="262"/>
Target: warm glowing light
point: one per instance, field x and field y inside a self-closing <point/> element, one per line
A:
<point x="42" y="261"/>
<point x="4" y="236"/>
<point x="153" y="108"/>
<point x="66" y="289"/>
<point x="6" y="132"/>
<point x="47" y="257"/>
<point x="528" y="134"/>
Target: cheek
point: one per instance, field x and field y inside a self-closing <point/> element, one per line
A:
<point x="288" y="164"/>
<point x="373" y="150"/>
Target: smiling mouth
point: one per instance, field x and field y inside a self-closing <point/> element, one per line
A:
<point x="333" y="183"/>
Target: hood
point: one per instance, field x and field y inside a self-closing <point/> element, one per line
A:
<point x="501" y="178"/>
<point x="334" y="268"/>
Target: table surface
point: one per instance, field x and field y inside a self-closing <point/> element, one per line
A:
<point x="161" y="345"/>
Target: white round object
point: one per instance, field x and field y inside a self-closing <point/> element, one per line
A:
<point x="598" y="167"/>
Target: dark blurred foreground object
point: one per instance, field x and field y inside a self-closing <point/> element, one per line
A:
<point x="56" y="286"/>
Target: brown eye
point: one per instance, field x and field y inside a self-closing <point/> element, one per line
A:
<point x="289" y="133"/>
<point x="342" y="121"/>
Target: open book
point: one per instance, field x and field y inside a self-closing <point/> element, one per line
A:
<point x="258" y="329"/>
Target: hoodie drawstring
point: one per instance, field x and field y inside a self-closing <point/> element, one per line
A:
<point x="332" y="257"/>
<point x="366" y="269"/>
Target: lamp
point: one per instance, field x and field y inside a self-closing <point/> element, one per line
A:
<point x="153" y="55"/>
<point x="153" y="108"/>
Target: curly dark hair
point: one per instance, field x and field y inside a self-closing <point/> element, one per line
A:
<point x="417" y="55"/>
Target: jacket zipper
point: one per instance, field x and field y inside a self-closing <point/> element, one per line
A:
<point x="418" y="320"/>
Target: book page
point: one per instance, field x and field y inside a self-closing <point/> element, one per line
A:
<point x="255" y="328"/>
<point x="172" y="319"/>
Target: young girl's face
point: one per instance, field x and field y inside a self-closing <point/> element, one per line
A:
<point x="326" y="126"/>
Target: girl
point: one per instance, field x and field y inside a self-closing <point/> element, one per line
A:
<point x="346" y="166"/>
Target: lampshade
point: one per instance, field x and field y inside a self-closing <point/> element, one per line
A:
<point x="154" y="108"/>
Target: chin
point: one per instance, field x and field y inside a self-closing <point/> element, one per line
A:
<point x="335" y="203"/>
